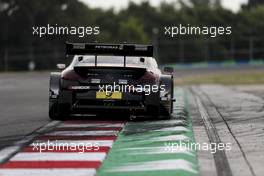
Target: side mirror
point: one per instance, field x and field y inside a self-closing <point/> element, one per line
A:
<point x="168" y="69"/>
<point x="61" y="66"/>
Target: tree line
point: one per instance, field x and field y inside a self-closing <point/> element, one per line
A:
<point x="138" y="23"/>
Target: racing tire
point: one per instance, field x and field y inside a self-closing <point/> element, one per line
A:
<point x="56" y="112"/>
<point x="165" y="113"/>
<point x="167" y="110"/>
<point x="53" y="112"/>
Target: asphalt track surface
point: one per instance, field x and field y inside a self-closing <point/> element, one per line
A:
<point x="23" y="104"/>
<point x="229" y="115"/>
<point x="218" y="114"/>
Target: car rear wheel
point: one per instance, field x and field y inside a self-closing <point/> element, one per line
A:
<point x="53" y="112"/>
<point x="57" y="112"/>
<point x="165" y="112"/>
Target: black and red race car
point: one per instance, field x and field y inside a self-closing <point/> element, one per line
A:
<point x="111" y="78"/>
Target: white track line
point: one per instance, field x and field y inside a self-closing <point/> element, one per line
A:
<point x="49" y="125"/>
<point x="177" y="164"/>
<point x="47" y="172"/>
<point x="6" y="152"/>
<point x="164" y="122"/>
<point x="25" y="156"/>
<point x="83" y="125"/>
<point x="158" y="150"/>
<point x="179" y="137"/>
<point x="46" y="143"/>
<point x="83" y="133"/>
<point x="176" y="129"/>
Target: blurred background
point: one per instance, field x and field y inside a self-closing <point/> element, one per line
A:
<point x="135" y="22"/>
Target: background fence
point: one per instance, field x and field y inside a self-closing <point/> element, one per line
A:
<point x="169" y="51"/>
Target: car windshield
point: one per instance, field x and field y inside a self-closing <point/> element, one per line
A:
<point x="117" y="61"/>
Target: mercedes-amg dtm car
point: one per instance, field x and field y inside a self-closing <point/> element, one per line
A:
<point x="110" y="78"/>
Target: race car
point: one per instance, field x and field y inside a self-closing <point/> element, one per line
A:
<point x="122" y="79"/>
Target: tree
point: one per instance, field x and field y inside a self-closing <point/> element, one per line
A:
<point x="132" y="30"/>
<point x="254" y="3"/>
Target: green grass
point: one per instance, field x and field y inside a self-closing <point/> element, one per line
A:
<point x="243" y="77"/>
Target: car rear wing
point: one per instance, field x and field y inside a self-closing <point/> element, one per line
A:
<point x="109" y="49"/>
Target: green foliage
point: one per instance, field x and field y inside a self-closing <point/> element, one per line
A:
<point x="134" y="24"/>
<point x="132" y="30"/>
<point x="251" y="21"/>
